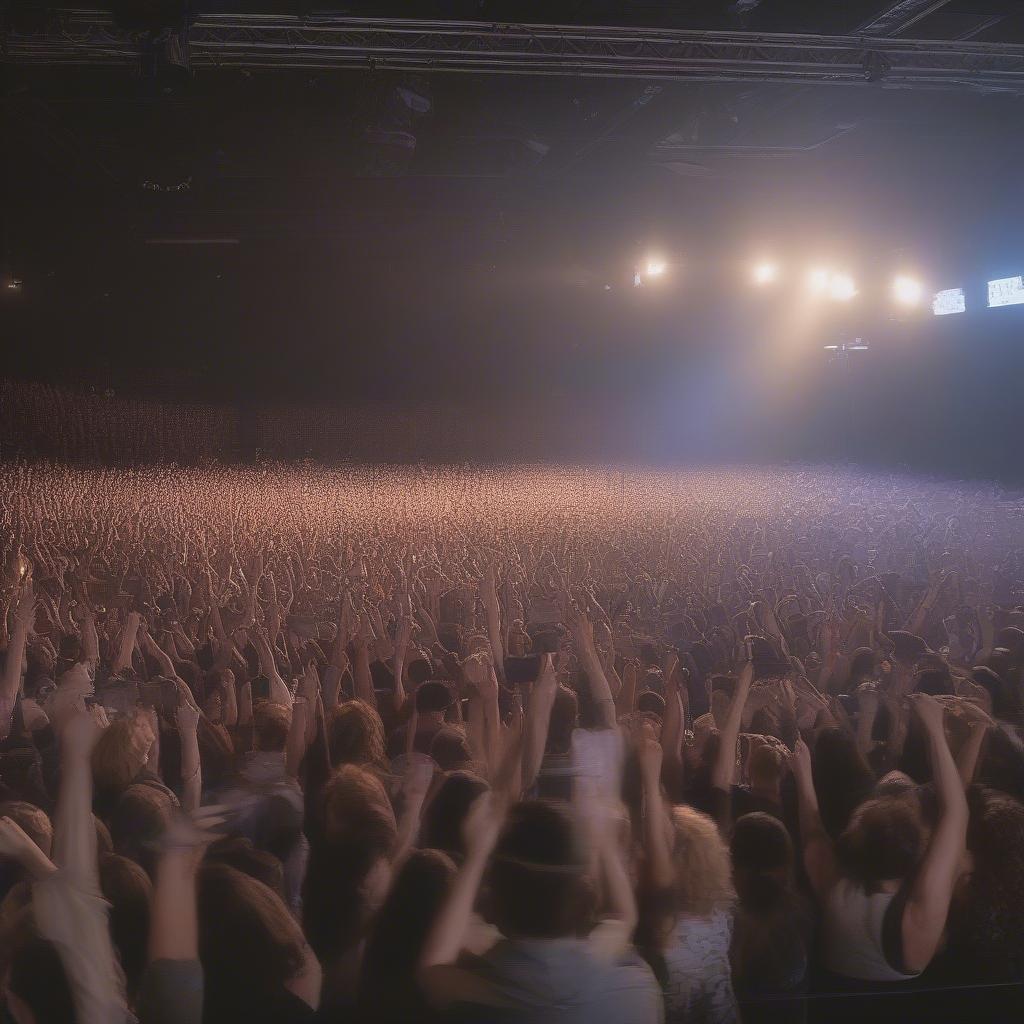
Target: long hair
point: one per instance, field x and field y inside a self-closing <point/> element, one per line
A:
<point x="703" y="881"/>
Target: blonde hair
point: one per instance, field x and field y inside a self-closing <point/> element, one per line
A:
<point x="119" y="754"/>
<point x="703" y="868"/>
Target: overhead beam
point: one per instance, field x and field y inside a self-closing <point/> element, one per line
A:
<point x="900" y="16"/>
<point x="273" y="42"/>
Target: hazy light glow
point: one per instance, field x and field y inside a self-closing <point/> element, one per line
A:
<point x="841" y="287"/>
<point x="907" y="291"/>
<point x="655" y="266"/>
<point x="1007" y="291"/>
<point x="766" y="273"/>
<point x="817" y="279"/>
<point x="949" y="300"/>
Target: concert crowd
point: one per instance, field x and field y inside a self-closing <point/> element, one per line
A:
<point x="378" y="744"/>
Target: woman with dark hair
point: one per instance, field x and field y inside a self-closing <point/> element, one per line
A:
<point x="446" y="812"/>
<point x="885" y="888"/>
<point x="388" y="990"/>
<point x="841" y="777"/>
<point x="348" y="876"/>
<point x="986" y="940"/>
<point x="770" y="944"/>
<point x="257" y="965"/>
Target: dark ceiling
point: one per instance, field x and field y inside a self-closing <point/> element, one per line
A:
<point x="170" y="225"/>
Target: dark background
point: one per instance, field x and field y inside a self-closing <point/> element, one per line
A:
<point x="332" y="247"/>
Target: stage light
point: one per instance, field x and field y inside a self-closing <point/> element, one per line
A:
<point x="766" y="273"/>
<point x="655" y="267"/>
<point x="907" y="291"/>
<point x="949" y="300"/>
<point x="841" y="287"/>
<point x="13" y="284"/>
<point x="1007" y="291"/>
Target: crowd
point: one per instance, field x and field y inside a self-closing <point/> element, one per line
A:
<point x="386" y="745"/>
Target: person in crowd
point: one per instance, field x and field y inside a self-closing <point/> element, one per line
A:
<point x="292" y="743"/>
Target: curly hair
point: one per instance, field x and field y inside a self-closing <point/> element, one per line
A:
<point x="703" y="869"/>
<point x="988" y="927"/>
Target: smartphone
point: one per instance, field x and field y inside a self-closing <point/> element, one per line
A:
<point x="522" y="669"/>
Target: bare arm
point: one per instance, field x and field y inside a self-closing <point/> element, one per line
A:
<point x="23" y="617"/>
<point x="442" y="982"/>
<point x="538" y="719"/>
<point x="659" y="856"/>
<point x="725" y="762"/>
<point x="819" y="854"/>
<point x="123" y="661"/>
<point x="924" y="917"/>
<point x="600" y="692"/>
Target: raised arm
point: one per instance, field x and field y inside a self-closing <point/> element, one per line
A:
<point x="924" y="916"/>
<point x="489" y="597"/>
<point x="725" y="762"/>
<point x="538" y="720"/>
<point x="24" y="614"/>
<point x="659" y="856"/>
<point x="126" y="647"/>
<point x="586" y="650"/>
<point x="818" y="851"/>
<point x="443" y="982"/>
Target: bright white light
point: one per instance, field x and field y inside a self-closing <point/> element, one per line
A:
<point x="831" y="348"/>
<point x="766" y="273"/>
<point x="817" y="279"/>
<point x="655" y="267"/>
<point x="907" y="291"/>
<point x="950" y="300"/>
<point x="841" y="287"/>
<point x="1008" y="291"/>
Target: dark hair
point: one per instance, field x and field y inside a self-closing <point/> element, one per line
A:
<point x="842" y="778"/>
<point x="249" y="943"/>
<point x="387" y="988"/>
<point x="129" y="892"/>
<point x="883" y="842"/>
<point x="1006" y="703"/>
<point x="537" y="885"/>
<point x="444" y="815"/>
<point x="37" y="977"/>
<point x="450" y="749"/>
<point x="433" y="695"/>
<point x="271" y="723"/>
<point x="420" y="670"/>
<point x="355" y="735"/>
<point x="651" y="703"/>
<point x="762" y="861"/>
<point x="138" y="820"/>
<point x="987" y="927"/>
<point x="773" y="920"/>
<point x="239" y="853"/>
<point x="356" y="832"/>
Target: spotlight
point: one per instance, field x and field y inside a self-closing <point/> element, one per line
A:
<point x="13" y="284"/>
<point x="817" y="280"/>
<point x="655" y="267"/>
<point x="766" y="273"/>
<point x="907" y="291"/>
<point x="841" y="287"/>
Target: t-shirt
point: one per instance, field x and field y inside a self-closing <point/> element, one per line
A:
<point x="699" y="988"/>
<point x="562" y="981"/>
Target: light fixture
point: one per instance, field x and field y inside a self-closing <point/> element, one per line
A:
<point x="766" y="273"/>
<point x="841" y="287"/>
<point x="654" y="267"/>
<point x="907" y="291"/>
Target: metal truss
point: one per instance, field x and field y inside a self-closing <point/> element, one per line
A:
<point x="273" y="42"/>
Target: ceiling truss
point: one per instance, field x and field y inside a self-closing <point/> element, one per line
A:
<point x="90" y="38"/>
